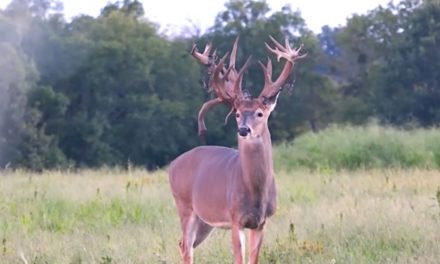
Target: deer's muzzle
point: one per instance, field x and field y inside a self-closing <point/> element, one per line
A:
<point x="244" y="131"/>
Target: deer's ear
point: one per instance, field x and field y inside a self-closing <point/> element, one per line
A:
<point x="271" y="102"/>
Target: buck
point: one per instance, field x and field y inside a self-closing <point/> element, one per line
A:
<point x="221" y="187"/>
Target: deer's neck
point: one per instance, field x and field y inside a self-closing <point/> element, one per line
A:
<point x="256" y="164"/>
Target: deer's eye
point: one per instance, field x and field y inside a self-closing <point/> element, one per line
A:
<point x="237" y="115"/>
<point x="260" y="114"/>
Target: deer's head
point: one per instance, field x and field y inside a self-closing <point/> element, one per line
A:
<point x="251" y="113"/>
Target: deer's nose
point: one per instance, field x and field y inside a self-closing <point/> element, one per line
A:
<point x="244" y="131"/>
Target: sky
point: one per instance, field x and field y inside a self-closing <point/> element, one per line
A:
<point x="175" y="15"/>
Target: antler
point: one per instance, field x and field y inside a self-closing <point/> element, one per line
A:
<point x="271" y="88"/>
<point x="225" y="81"/>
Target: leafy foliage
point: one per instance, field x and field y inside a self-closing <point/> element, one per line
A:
<point x="112" y="90"/>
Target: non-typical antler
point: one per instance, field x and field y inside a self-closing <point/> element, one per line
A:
<point x="272" y="88"/>
<point x="225" y="81"/>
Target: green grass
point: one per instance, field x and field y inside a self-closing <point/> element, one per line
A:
<point x="366" y="147"/>
<point x="116" y="216"/>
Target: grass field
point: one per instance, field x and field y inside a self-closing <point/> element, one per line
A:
<point x="119" y="216"/>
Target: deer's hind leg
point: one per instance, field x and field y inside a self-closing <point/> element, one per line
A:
<point x="187" y="220"/>
<point x="194" y="231"/>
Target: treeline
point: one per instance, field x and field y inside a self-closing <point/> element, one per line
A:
<point x="113" y="90"/>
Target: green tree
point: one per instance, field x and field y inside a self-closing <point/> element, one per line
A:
<point x="120" y="92"/>
<point x="23" y="141"/>
<point x="407" y="83"/>
<point x="386" y="64"/>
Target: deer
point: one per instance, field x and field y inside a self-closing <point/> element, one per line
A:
<point x="221" y="187"/>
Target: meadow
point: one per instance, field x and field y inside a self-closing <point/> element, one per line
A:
<point x="327" y="213"/>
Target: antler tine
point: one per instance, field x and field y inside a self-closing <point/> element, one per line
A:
<point x="234" y="53"/>
<point x="275" y="51"/>
<point x="201" y="116"/>
<point x="285" y="52"/>
<point x="267" y="71"/>
<point x="202" y="57"/>
<point x="229" y="114"/>
<point x="238" y="93"/>
<point x="219" y="80"/>
<point x="208" y="48"/>
<point x="278" y="45"/>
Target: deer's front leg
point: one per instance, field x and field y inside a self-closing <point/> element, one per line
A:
<point x="238" y="244"/>
<point x="255" y="241"/>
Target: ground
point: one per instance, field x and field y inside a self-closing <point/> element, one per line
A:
<point x="128" y="216"/>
